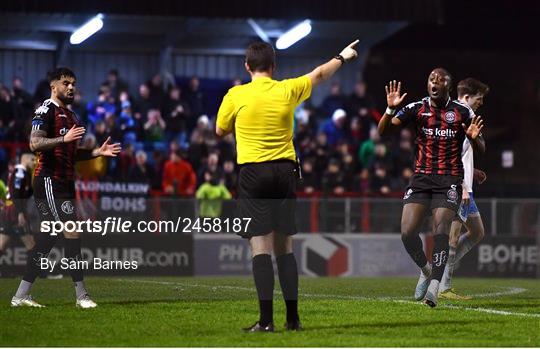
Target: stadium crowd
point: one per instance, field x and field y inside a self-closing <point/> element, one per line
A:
<point x="168" y="138"/>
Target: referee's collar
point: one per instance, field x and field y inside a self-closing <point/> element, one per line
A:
<point x="260" y="78"/>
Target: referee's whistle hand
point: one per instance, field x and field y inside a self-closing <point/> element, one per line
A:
<point x="349" y="52"/>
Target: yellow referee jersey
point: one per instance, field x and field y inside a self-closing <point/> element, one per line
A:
<point x="261" y="113"/>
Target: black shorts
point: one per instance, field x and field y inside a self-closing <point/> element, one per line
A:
<point x="267" y="195"/>
<point x="55" y="199"/>
<point x="434" y="191"/>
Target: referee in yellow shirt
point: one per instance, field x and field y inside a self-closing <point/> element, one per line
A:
<point x="261" y="115"/>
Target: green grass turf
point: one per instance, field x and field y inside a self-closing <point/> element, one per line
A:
<point x="211" y="311"/>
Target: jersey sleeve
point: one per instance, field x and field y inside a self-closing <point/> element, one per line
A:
<point x="407" y="113"/>
<point x="227" y="113"/>
<point x="43" y="118"/>
<point x="299" y="88"/>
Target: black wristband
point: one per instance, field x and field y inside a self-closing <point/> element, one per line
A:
<point x="340" y="57"/>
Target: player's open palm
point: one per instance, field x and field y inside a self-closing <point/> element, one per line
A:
<point x="109" y="149"/>
<point x="393" y="94"/>
<point x="475" y="128"/>
<point x="74" y="133"/>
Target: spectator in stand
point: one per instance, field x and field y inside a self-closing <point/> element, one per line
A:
<point x="103" y="106"/>
<point x="7" y="112"/>
<point x="403" y="180"/>
<point x="205" y="130"/>
<point x="367" y="148"/>
<point x="380" y="180"/>
<point x="79" y="107"/>
<point x="154" y="128"/>
<point x="321" y="153"/>
<point x="381" y="158"/>
<point x="179" y="179"/>
<point x="101" y="132"/>
<point x="126" y="161"/>
<point x="141" y="106"/>
<point x="159" y="164"/>
<point x="157" y="92"/>
<point x="142" y="172"/>
<point x="195" y="99"/>
<point x="230" y="176"/>
<point x="176" y="116"/>
<point x="211" y="166"/>
<point x="197" y="151"/>
<point x="211" y="195"/>
<point x="42" y="92"/>
<point x="333" y="180"/>
<point x="335" y="129"/>
<point x="361" y="104"/>
<point x="115" y="84"/>
<point x="126" y="123"/>
<point x="336" y="100"/>
<point x="310" y="180"/>
<point x="403" y="153"/>
<point x="21" y="97"/>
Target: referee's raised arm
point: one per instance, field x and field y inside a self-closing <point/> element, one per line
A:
<point x="326" y="70"/>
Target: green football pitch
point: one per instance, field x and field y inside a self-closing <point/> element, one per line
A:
<point x="210" y="312"/>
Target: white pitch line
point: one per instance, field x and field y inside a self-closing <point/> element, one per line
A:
<point x="482" y="310"/>
<point x="511" y="291"/>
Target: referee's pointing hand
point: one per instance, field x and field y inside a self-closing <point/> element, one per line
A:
<point x="349" y="53"/>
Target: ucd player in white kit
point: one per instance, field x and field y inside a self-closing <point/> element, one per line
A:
<point x="471" y="92"/>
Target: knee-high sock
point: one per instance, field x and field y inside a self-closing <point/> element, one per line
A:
<point x="413" y="245"/>
<point x="465" y="244"/>
<point x="440" y="255"/>
<point x="72" y="251"/>
<point x="44" y="244"/>
<point x="288" y="279"/>
<point x="263" y="274"/>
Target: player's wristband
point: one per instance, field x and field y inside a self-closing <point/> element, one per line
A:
<point x="340" y="57"/>
<point x="390" y="111"/>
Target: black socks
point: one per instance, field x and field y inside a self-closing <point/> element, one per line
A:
<point x="72" y="251"/>
<point x="413" y="245"/>
<point x="440" y="256"/>
<point x="288" y="279"/>
<point x="263" y="274"/>
<point x="44" y="244"/>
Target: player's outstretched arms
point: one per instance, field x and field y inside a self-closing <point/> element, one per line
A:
<point x="106" y="149"/>
<point x="326" y="70"/>
<point x="40" y="142"/>
<point x="394" y="98"/>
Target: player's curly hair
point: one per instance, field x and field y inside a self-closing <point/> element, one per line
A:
<point x="57" y="73"/>
<point x="472" y="87"/>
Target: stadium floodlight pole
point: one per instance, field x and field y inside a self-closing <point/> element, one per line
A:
<point x="258" y="30"/>
<point x="294" y="34"/>
<point x="87" y="30"/>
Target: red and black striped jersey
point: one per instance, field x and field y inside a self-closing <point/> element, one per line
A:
<point x="59" y="162"/>
<point x="439" y="135"/>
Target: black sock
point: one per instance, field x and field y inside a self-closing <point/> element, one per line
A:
<point x="72" y="251"/>
<point x="440" y="255"/>
<point x="44" y="244"/>
<point x="413" y="245"/>
<point x="288" y="279"/>
<point x="263" y="274"/>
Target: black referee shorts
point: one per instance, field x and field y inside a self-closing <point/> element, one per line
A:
<point x="267" y="195"/>
<point x="434" y="191"/>
<point x="55" y="199"/>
